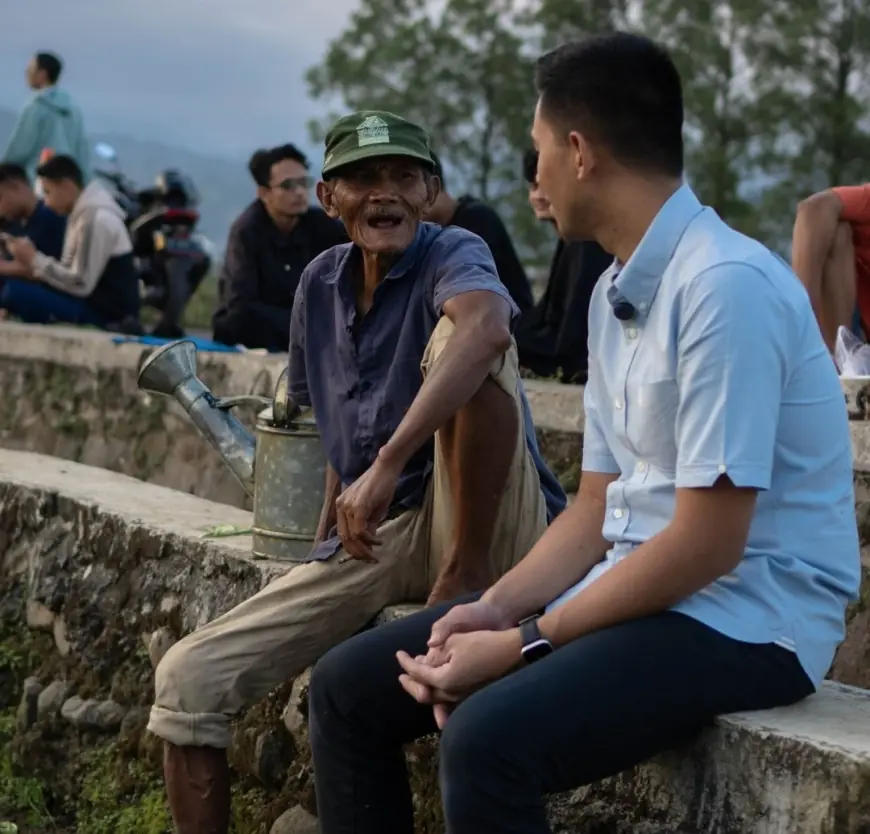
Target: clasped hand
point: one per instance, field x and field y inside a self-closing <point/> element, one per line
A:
<point x="471" y="646"/>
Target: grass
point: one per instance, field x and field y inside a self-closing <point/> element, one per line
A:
<point x="21" y="798"/>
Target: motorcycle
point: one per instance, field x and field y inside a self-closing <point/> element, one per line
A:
<point x="171" y="257"/>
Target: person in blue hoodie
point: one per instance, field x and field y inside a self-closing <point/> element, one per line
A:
<point x="51" y="121"/>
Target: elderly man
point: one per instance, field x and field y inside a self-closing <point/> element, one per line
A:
<point x="707" y="561"/>
<point x="401" y="342"/>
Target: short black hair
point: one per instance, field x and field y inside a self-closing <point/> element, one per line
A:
<point x="10" y="172"/>
<point x="621" y="90"/>
<point x="60" y="168"/>
<point x="50" y="64"/>
<point x="261" y="162"/>
<point x="530" y="166"/>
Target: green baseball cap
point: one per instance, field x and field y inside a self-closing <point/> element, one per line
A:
<point x="372" y="133"/>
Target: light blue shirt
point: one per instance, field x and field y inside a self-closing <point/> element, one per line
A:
<point x="723" y="372"/>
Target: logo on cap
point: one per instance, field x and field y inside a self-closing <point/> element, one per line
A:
<point x="373" y="130"/>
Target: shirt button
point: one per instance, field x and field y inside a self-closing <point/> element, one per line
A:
<point x="641" y="466"/>
<point x="287" y="267"/>
<point x="722" y="469"/>
<point x="642" y="307"/>
<point x="617" y="513"/>
<point x="618" y="402"/>
<point x="631" y="332"/>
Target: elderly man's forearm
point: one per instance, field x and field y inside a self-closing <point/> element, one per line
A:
<point x="464" y="364"/>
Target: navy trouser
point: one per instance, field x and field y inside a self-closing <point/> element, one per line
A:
<point x="595" y="707"/>
<point x="38" y="304"/>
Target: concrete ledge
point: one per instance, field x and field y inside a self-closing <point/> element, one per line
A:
<point x="98" y="563"/>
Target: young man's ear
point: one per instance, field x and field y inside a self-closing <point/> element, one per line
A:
<point x="325" y="195"/>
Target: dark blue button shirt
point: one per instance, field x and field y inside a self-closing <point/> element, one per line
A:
<point x="360" y="374"/>
<point x="45" y="230"/>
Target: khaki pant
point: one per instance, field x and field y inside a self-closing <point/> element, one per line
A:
<point x="236" y="660"/>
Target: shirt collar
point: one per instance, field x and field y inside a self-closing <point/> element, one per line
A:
<point x="405" y="263"/>
<point x="638" y="279"/>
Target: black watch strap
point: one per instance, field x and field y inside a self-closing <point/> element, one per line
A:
<point x="535" y="645"/>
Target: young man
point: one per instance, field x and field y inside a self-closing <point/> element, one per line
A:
<point x="707" y="561"/>
<point x="476" y="216"/>
<point x="401" y="343"/>
<point x="269" y="246"/>
<point x="51" y="122"/>
<point x="831" y="255"/>
<point x="22" y="214"/>
<point x="95" y="281"/>
<point x="552" y="337"/>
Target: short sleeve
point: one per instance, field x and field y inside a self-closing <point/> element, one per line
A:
<point x="464" y="264"/>
<point x="732" y="356"/>
<point x="597" y="456"/>
<point x="856" y="203"/>
<point x="297" y="377"/>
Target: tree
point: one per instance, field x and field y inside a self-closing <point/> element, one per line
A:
<point x="811" y="61"/>
<point x="464" y="72"/>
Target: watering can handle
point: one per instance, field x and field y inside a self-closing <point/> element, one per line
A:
<point x="226" y="403"/>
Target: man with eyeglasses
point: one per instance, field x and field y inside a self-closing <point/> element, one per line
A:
<point x="269" y="246"/>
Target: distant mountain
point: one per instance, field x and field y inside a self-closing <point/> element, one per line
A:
<point x="224" y="184"/>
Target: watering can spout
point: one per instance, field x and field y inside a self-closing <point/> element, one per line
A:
<point x="171" y="371"/>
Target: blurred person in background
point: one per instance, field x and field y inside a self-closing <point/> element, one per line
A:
<point x="95" y="281"/>
<point x="551" y="337"/>
<point x="472" y="214"/>
<point x="831" y="255"/>
<point x="51" y="123"/>
<point x="22" y="214"/>
<point x="269" y="246"/>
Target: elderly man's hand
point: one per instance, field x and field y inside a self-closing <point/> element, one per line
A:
<point x="363" y="506"/>
<point x="22" y="250"/>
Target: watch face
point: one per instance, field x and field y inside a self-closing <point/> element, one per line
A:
<point x="537" y="650"/>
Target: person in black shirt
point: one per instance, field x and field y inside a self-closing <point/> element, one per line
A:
<point x="271" y="242"/>
<point x="470" y="213"/>
<point x="552" y="336"/>
<point x="22" y="214"/>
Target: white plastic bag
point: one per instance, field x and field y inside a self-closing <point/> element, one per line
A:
<point x="851" y="355"/>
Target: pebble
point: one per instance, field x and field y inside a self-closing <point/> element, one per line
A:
<point x="52" y="698"/>
<point x="295" y="821"/>
<point x="91" y="714"/>
<point x="161" y="642"/>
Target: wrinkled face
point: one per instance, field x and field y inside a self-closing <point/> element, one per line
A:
<point x="16" y="198"/>
<point x="36" y="77"/>
<point x="539" y="202"/>
<point x="380" y="201"/>
<point x="60" y="196"/>
<point x="287" y="194"/>
<point x="564" y="168"/>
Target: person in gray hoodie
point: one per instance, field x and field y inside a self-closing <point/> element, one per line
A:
<point x="95" y="281"/>
<point x="51" y="121"/>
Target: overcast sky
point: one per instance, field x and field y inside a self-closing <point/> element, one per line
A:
<point x="223" y="76"/>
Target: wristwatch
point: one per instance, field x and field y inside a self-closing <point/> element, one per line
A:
<point x="535" y="645"/>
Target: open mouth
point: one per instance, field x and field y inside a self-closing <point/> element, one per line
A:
<point x="383" y="221"/>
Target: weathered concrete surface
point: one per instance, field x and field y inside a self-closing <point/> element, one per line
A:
<point x="96" y="563"/>
<point x="72" y="393"/>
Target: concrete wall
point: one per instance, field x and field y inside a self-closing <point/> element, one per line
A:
<point x="95" y="568"/>
<point x="72" y="394"/>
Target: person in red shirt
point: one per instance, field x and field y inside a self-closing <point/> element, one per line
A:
<point x="831" y="256"/>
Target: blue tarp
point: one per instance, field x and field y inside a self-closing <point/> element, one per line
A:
<point x="201" y="344"/>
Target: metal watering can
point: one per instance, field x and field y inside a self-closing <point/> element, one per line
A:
<point x="282" y="465"/>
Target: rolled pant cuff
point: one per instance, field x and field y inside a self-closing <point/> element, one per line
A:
<point x="203" y="729"/>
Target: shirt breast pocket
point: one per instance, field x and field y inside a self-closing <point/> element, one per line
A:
<point x="652" y="420"/>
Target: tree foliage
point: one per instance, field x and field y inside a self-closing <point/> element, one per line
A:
<point x="777" y="92"/>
